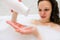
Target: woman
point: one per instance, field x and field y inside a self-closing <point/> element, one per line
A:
<point x="48" y="28"/>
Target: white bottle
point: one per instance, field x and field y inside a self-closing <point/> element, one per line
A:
<point x="17" y="6"/>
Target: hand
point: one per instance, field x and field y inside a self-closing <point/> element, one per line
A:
<point x="20" y="28"/>
<point x="24" y="30"/>
<point x="14" y="16"/>
<point x="13" y="11"/>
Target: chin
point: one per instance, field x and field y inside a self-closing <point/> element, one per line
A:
<point x="43" y="19"/>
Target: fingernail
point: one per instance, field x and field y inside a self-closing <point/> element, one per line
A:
<point x="20" y="0"/>
<point x="11" y="10"/>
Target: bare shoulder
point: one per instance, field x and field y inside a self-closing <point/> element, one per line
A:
<point x="56" y="26"/>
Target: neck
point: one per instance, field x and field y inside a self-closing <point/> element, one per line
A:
<point x="38" y="22"/>
<point x="44" y="22"/>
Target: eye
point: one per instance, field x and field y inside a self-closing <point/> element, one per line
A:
<point x="46" y="9"/>
<point x="39" y="9"/>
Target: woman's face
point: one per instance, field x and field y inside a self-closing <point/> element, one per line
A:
<point x="45" y="10"/>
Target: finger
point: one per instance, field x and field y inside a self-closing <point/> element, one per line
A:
<point x="18" y="24"/>
<point x="11" y="10"/>
<point x="28" y="31"/>
<point x="24" y="31"/>
<point x="27" y="28"/>
<point x="12" y="24"/>
<point x="17" y="30"/>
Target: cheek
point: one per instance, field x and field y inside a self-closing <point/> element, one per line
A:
<point x="48" y="14"/>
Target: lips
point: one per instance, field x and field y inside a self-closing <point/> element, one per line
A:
<point x="43" y="16"/>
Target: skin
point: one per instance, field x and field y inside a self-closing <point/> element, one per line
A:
<point x="45" y="9"/>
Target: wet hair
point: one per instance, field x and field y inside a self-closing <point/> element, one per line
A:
<point x="55" y="11"/>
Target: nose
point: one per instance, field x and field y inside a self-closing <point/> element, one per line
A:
<point x="42" y="13"/>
